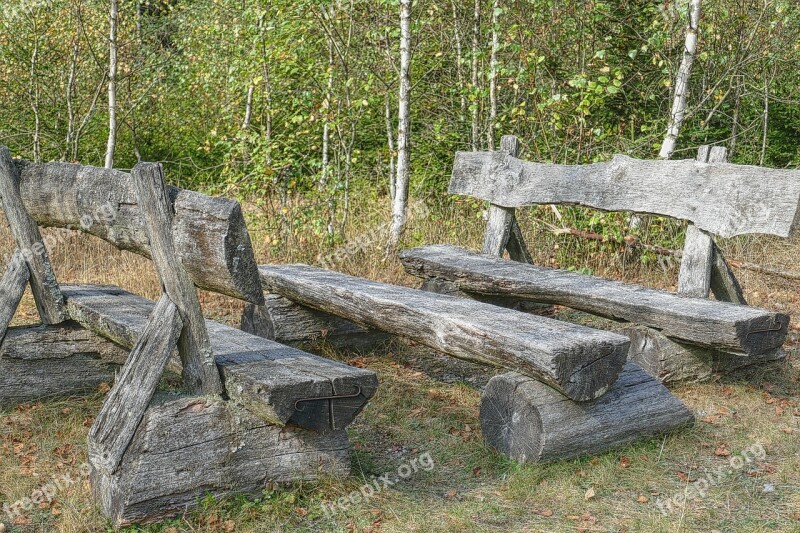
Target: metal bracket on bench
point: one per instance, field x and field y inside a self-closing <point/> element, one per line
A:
<point x="778" y="328"/>
<point x="330" y="400"/>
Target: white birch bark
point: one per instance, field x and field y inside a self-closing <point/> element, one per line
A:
<point x="403" y="129"/>
<point x="112" y="85"/>
<point x="476" y="37"/>
<point x="682" y="81"/>
<point x="493" y="74"/>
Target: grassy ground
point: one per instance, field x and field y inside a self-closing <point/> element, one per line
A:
<point x="428" y="404"/>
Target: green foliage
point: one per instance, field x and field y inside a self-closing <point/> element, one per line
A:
<point x="577" y="82"/>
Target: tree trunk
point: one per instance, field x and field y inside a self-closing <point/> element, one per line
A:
<point x="682" y="82"/>
<point x="459" y="64"/>
<point x="493" y="74"/>
<point x="403" y="130"/>
<point x="476" y="36"/>
<point x="326" y="129"/>
<point x="112" y="85"/>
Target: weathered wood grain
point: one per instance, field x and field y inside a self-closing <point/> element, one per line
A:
<point x="531" y="423"/>
<point x="210" y="234"/>
<point x="263" y="376"/>
<point x="694" y="278"/>
<point x="12" y="287"/>
<point x="673" y="362"/>
<point x="724" y="284"/>
<point x="721" y="198"/>
<point x="187" y="448"/>
<point x="286" y="322"/>
<point x="49" y="301"/>
<point x="719" y="325"/>
<point x="130" y="397"/>
<point x="579" y="361"/>
<point x="40" y="363"/>
<point x="200" y="374"/>
<point x="502" y="230"/>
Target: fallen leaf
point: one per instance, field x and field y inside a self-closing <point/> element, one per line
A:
<point x="230" y="525"/>
<point x="581" y="473"/>
<point x="546" y="513"/>
<point x="624" y="461"/>
<point x="787" y="430"/>
<point x="589" y="494"/>
<point x="476" y="471"/>
<point x="722" y="451"/>
<point x="711" y="419"/>
<point x="795" y="516"/>
<point x="683" y="476"/>
<point x="103" y="388"/>
<point x="642" y="499"/>
<point x="595" y="461"/>
<point x="172" y="530"/>
<point x="451" y="494"/>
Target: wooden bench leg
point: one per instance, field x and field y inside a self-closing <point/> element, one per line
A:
<point x="40" y="363"/>
<point x="531" y="423"/>
<point x="673" y="362"/>
<point x="286" y="322"/>
<point x="188" y="447"/>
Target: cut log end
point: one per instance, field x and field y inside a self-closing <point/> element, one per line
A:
<point x="531" y="423"/>
<point x="584" y="381"/>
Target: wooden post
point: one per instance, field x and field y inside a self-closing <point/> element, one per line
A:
<point x="12" y="287"/>
<point x="128" y="401"/>
<point x="502" y="230"/>
<point x="200" y="374"/>
<point x="49" y="300"/>
<point x="703" y="267"/>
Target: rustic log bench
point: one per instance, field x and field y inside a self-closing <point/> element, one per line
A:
<point x="676" y="337"/>
<point x="251" y="411"/>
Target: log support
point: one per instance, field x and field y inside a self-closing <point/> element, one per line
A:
<point x="40" y="363"/>
<point x="531" y="423"/>
<point x="189" y="447"/>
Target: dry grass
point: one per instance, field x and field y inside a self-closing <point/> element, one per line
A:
<point x="430" y="403"/>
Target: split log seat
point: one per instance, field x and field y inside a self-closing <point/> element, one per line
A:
<point x="676" y="339"/>
<point x="580" y="362"/>
<point x="723" y="326"/>
<point x="278" y="383"/>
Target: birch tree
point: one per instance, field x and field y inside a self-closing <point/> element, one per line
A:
<point x="112" y="84"/>
<point x="400" y="200"/>
<point x="682" y="81"/>
<point x="476" y="43"/>
<point x="493" y="74"/>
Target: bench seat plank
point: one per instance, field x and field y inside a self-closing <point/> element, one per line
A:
<point x="712" y="324"/>
<point x="266" y="377"/>
<point x="580" y="362"/>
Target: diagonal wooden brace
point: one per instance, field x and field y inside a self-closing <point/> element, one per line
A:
<point x="44" y="285"/>
<point x="200" y="373"/>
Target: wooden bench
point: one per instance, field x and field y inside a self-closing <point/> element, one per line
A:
<point x="251" y="411"/>
<point x="676" y="337"/>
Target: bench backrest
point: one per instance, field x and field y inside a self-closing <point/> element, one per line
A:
<point x="210" y="234"/>
<point x="721" y="198"/>
<point x="716" y="197"/>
